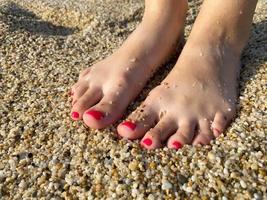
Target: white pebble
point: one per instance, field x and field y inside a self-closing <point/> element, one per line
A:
<point x="22" y="184"/>
<point x="188" y="189"/>
<point x="243" y="184"/>
<point x="134" y="192"/>
<point x="226" y="172"/>
<point x="224" y="198"/>
<point x="166" y="185"/>
<point x="150" y="197"/>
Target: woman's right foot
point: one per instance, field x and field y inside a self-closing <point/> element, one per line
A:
<point x="104" y="90"/>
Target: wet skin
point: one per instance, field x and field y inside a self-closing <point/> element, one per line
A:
<point x="196" y="101"/>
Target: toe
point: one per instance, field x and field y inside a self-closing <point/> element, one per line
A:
<point x="205" y="134"/>
<point x="74" y="87"/>
<point x="219" y="124"/>
<point x="78" y="92"/>
<point x="138" y="123"/>
<point x="156" y="136"/>
<point x="84" y="72"/>
<point x="107" y="111"/>
<point x="184" y="135"/>
<point x="88" y="99"/>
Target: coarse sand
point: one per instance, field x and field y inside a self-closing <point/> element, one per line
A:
<point x="44" y="44"/>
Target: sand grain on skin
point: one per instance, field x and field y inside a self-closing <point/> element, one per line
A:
<point x="44" y="45"/>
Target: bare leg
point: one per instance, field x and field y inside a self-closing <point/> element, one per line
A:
<point x="104" y="90"/>
<point x="196" y="101"/>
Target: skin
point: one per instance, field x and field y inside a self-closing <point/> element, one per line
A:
<point x="196" y="101"/>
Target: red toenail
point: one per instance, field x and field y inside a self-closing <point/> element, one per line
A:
<point x="147" y="141"/>
<point x="129" y="124"/>
<point x="95" y="114"/>
<point x="177" y="145"/>
<point x="75" y="115"/>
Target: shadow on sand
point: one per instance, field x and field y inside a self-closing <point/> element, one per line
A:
<point x="18" y="18"/>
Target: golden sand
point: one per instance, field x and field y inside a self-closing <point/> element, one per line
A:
<point x="44" y="44"/>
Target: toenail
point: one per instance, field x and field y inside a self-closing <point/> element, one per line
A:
<point x="95" y="114"/>
<point x="129" y="124"/>
<point x="177" y="145"/>
<point x="147" y="141"/>
<point x="75" y="115"/>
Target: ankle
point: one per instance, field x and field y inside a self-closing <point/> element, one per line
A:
<point x="215" y="40"/>
<point x="163" y="11"/>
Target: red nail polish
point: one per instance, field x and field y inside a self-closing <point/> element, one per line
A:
<point x="95" y="114"/>
<point x="147" y="141"/>
<point x="75" y="115"/>
<point x="177" y="145"/>
<point x="129" y="124"/>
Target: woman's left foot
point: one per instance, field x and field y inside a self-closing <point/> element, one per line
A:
<point x="193" y="105"/>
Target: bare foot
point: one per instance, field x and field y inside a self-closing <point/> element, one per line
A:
<point x="196" y="101"/>
<point x="104" y="90"/>
<point x="193" y="105"/>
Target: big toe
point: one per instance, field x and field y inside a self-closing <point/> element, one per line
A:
<point x="85" y="101"/>
<point x="107" y="111"/>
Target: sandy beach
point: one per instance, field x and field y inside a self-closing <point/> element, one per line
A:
<point x="44" y="154"/>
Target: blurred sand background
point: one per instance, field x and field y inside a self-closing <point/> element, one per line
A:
<point x="44" y="44"/>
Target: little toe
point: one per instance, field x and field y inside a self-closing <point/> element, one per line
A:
<point x="205" y="134"/>
<point x="156" y="137"/>
<point x="184" y="135"/>
<point x="219" y="123"/>
<point x="88" y="99"/>
<point x="138" y="123"/>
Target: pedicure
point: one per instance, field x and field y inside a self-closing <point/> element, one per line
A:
<point x="177" y="145"/>
<point x="147" y="141"/>
<point x="129" y="124"/>
<point x="75" y="115"/>
<point x="95" y="114"/>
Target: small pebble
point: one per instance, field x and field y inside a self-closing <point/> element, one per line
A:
<point x="166" y="185"/>
<point x="243" y="184"/>
<point x="45" y="154"/>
